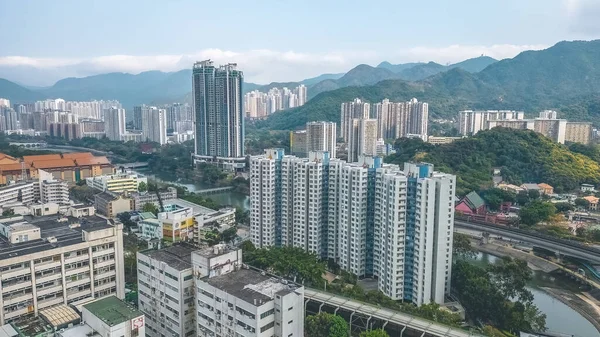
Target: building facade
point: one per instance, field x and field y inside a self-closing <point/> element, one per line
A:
<point x="362" y="138"/>
<point x="373" y="219"/>
<point x="470" y="122"/>
<point x="114" y="123"/>
<point x="117" y="183"/>
<point x="66" y="261"/>
<point x="218" y="112"/>
<point x="321" y="136"/>
<point x="350" y="111"/>
<point x="154" y="124"/>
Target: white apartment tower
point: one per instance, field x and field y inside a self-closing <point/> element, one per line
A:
<point x="350" y="111"/>
<point x="154" y="124"/>
<point x="470" y="122"/>
<point x="413" y="247"/>
<point x="362" y="138"/>
<point x="321" y="136"/>
<point x="373" y="219"/>
<point x="114" y="123"/>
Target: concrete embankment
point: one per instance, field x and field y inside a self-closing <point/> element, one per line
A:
<point x="578" y="303"/>
<point x="534" y="262"/>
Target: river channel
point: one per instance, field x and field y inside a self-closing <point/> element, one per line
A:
<point x="560" y="318"/>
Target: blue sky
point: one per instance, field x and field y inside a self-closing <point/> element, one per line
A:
<point x="276" y="40"/>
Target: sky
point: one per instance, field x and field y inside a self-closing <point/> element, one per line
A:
<point x="273" y="40"/>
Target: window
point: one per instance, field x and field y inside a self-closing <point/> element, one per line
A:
<point x="267" y="327"/>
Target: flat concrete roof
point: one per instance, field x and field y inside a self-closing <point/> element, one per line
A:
<point x="112" y="310"/>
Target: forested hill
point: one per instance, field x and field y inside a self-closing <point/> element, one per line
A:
<point x="565" y="77"/>
<point x="523" y="156"/>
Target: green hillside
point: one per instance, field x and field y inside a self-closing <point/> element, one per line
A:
<point x="565" y="77"/>
<point x="524" y="156"/>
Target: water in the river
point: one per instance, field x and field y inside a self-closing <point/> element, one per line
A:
<point x="559" y="316"/>
<point x="229" y="198"/>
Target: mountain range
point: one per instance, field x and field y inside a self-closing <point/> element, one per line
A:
<point x="158" y="87"/>
<point x="565" y="77"/>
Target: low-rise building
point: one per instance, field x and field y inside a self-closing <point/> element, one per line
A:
<point x="149" y="226"/>
<point x="546" y="189"/>
<point x="177" y="224"/>
<point x="510" y="187"/>
<point x="442" y="140"/>
<point x="45" y="261"/>
<point x="142" y="198"/>
<point x="117" y="183"/>
<point x="109" y="204"/>
<point x="18" y="193"/>
<point x="111" y="317"/>
<point x="54" y="191"/>
<point x="472" y="203"/>
<point x="587" y="188"/>
<point x="593" y="202"/>
<point x="531" y="187"/>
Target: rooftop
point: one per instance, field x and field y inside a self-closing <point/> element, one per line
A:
<point x="195" y="207"/>
<point x="474" y="200"/>
<point x="32" y="326"/>
<point x="77" y="155"/>
<point x="60" y="315"/>
<point x="530" y="186"/>
<point x="112" y="310"/>
<point x="67" y="232"/>
<point x="178" y="256"/>
<point x="249" y="285"/>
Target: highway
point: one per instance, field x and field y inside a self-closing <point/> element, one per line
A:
<point x="564" y="247"/>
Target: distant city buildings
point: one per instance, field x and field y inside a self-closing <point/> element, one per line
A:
<point x="260" y="105"/>
<point x="154" y="124"/>
<point x="362" y="138"/>
<point x="350" y="111"/>
<point x="218" y="114"/>
<point x="114" y="123"/>
<point x="373" y="219"/>
<point x="547" y="124"/>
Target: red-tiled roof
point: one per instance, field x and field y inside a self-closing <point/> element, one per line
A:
<point x="10" y="167"/>
<point x="44" y="164"/>
<point x="92" y="161"/>
<point x="77" y="155"/>
<point x="30" y="159"/>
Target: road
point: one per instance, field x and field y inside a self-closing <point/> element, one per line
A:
<point x="564" y="247"/>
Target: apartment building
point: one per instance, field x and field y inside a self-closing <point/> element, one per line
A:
<point x="177" y="224"/>
<point x="321" y="136"/>
<point x="362" y="138"/>
<point x="21" y="192"/>
<point x="117" y="183"/>
<point x="351" y="110"/>
<point x="140" y="199"/>
<point x="470" y="122"/>
<point x="50" y="260"/>
<point x="166" y="291"/>
<point x="54" y="191"/>
<point x="110" y="204"/>
<point x="578" y="132"/>
<point x="413" y="247"/>
<point x="367" y="216"/>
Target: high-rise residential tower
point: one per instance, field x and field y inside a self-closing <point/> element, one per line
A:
<point x="218" y="112"/>
<point x="321" y="136"/>
<point x="114" y="123"/>
<point x="351" y="110"/>
<point x="154" y="124"/>
<point x="362" y="138"/>
<point x="373" y="219"/>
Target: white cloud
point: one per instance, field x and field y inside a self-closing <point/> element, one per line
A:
<point x="259" y="66"/>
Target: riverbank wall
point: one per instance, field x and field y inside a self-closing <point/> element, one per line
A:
<point x="574" y="302"/>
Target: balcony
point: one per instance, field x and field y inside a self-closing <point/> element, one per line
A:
<point x="77" y="270"/>
<point x="71" y="294"/>
<point x="16" y="286"/>
<point x="103" y="252"/>
<point x="105" y="286"/>
<point x="50" y="277"/>
<point x="17" y="298"/>
<point x="16" y="272"/>
<point x="77" y="282"/>
<point x="50" y="302"/>
<point x="18" y="312"/>
<point x="104" y="263"/>
<point x="77" y="258"/>
<point x="49" y="290"/>
<point x="105" y="274"/>
<point x="47" y="265"/>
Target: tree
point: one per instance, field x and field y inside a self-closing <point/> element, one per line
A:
<point x="374" y="333"/>
<point x="563" y="207"/>
<point x="142" y="187"/>
<point x="247" y="246"/>
<point x="242" y="217"/>
<point x="522" y="198"/>
<point x="582" y="203"/>
<point x="8" y="212"/>
<point x="494" y="197"/>
<point x="533" y="194"/>
<point x="325" y="325"/>
<point x="229" y="234"/>
<point x="536" y="212"/>
<point x="461" y="246"/>
<point x="150" y="207"/>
